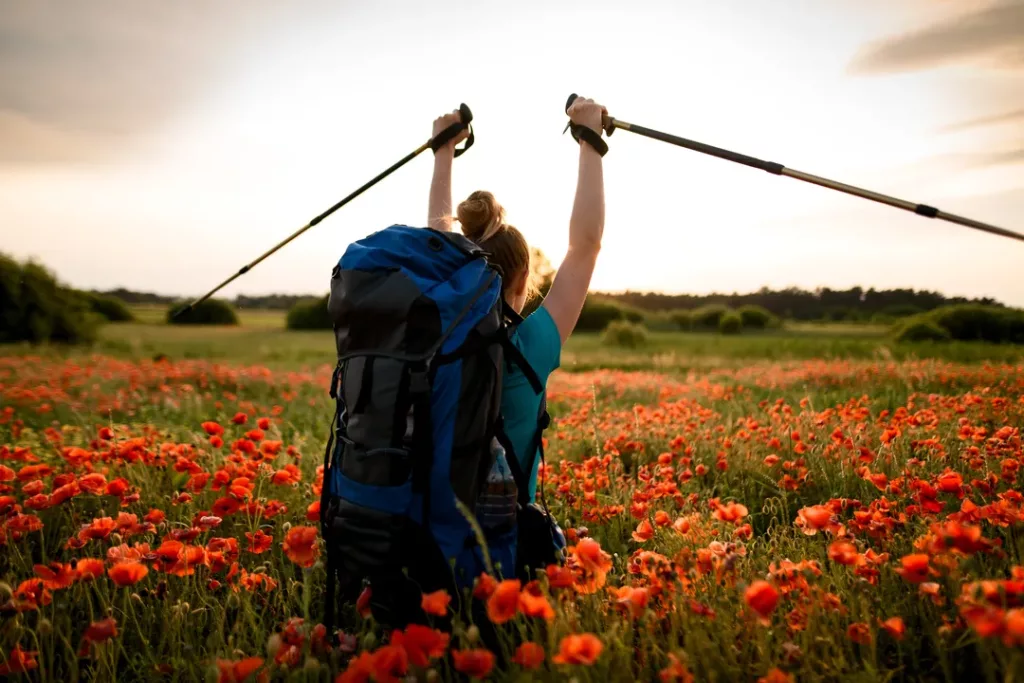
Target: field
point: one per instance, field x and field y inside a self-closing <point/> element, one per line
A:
<point x="813" y="505"/>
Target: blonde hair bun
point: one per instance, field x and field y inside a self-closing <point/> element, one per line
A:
<point x="481" y="216"/>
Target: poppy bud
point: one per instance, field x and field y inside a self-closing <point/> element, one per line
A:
<point x="473" y="634"/>
<point x="369" y="641"/>
<point x="311" y="665"/>
<point x="432" y="676"/>
<point x="44" y="627"/>
<point x="273" y="645"/>
<point x="5" y="591"/>
<point x="137" y="598"/>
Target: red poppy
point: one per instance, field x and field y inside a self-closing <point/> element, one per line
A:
<point x="18" y="661"/>
<point x="762" y="597"/>
<point x="127" y="573"/>
<point x="98" y="632"/>
<point x="859" y="633"/>
<point x="301" y="545"/>
<point x="475" y="663"/>
<point x="894" y="627"/>
<point x="240" y="418"/>
<point x="578" y="648"/>
<point x="263" y="423"/>
<point x="529" y="655"/>
<point x="239" y="671"/>
<point x="55" y="575"/>
<point x="914" y="568"/>
<point x="213" y="429"/>
<point x="815" y="518"/>
<point x="843" y="552"/>
<point x="259" y="542"/>
<point x="484" y="586"/>
<point x="504" y="601"/>
<point x="436" y="603"/>
<point x="533" y="602"/>
<point x="88" y="568"/>
<point x="644" y="532"/>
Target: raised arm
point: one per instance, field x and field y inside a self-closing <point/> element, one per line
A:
<point x="439" y="210"/>
<point x="586" y="226"/>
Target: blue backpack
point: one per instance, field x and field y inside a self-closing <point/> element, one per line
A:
<point x="422" y="334"/>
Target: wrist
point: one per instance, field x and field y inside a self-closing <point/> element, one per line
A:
<point x="445" y="155"/>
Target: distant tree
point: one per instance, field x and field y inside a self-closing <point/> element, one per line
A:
<point x="310" y="314"/>
<point x="36" y="308"/>
<point x="110" y="308"/>
<point x="209" y="312"/>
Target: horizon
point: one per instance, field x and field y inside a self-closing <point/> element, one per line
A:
<point x="160" y="147"/>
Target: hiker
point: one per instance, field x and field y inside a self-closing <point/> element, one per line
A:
<point x="541" y="335"/>
<point x="440" y="395"/>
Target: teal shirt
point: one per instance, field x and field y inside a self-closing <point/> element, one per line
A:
<point x="538" y="340"/>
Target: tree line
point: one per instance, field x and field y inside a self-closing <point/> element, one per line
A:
<point x="794" y="303"/>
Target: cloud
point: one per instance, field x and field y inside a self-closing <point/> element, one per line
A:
<point x="1010" y="156"/>
<point x="992" y="34"/>
<point x="1004" y="117"/>
<point x="80" y="79"/>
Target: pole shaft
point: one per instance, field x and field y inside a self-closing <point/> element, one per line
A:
<point x="376" y="179"/>
<point x="779" y="169"/>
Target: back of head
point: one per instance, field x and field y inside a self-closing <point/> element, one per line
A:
<point x="483" y="221"/>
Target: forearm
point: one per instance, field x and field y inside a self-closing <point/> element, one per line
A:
<point x="439" y="211"/>
<point x="586" y="225"/>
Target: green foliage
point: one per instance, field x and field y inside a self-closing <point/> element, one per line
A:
<point x="709" y="316"/>
<point x="36" y="308"/>
<point x="311" y="314"/>
<point x="209" y="312"/>
<point x="624" y="334"/>
<point x="730" y="323"/>
<point x="597" y="313"/>
<point x="682" y="318"/>
<point x="756" y="317"/>
<point x="660" y="321"/>
<point x="921" y="329"/>
<point x="110" y="308"/>
<point x="972" y="322"/>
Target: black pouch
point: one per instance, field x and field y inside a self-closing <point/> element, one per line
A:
<point x="540" y="542"/>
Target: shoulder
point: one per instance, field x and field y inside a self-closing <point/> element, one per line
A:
<point x="538" y="339"/>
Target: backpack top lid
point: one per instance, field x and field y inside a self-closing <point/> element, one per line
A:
<point x="425" y="255"/>
<point x="405" y="288"/>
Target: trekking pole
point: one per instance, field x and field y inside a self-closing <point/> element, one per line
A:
<point x="611" y="124"/>
<point x="434" y="144"/>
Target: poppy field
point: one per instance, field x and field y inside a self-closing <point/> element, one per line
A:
<point x="758" y="520"/>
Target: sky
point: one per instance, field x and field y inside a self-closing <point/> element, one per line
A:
<point x="160" y="146"/>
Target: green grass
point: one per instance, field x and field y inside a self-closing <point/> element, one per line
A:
<point x="156" y="314"/>
<point x="262" y="339"/>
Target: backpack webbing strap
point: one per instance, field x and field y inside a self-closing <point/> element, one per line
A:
<point x="422" y="437"/>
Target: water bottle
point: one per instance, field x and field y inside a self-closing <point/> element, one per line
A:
<point x="496" y="506"/>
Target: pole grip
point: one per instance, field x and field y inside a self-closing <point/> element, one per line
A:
<point x="607" y="122"/>
<point x="449" y="133"/>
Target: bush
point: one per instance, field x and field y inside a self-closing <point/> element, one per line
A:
<point x="730" y="323"/>
<point x="310" y="315"/>
<point x="209" y="312"/>
<point x="34" y="307"/>
<point x="921" y="329"/>
<point x="110" y="308"/>
<point x="974" y="322"/>
<point x="682" y="318"/>
<point x="624" y="334"/>
<point x="660" y="321"/>
<point x="708" y="316"/>
<point x="756" y="317"/>
<point x="597" y="313"/>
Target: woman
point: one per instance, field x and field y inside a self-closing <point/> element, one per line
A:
<point x="541" y="335"/>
